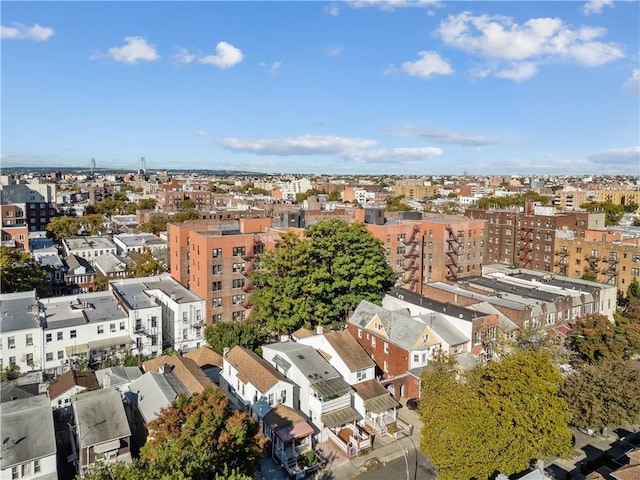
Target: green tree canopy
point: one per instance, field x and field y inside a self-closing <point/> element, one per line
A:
<point x="62" y="227"/>
<point x="229" y="334"/>
<point x="499" y="419"/>
<point x="318" y="280"/>
<point x="595" y="337"/>
<point x="144" y="265"/>
<point x="199" y="438"/>
<point x="603" y="395"/>
<point x="396" y="204"/>
<point x="513" y="200"/>
<point x="187" y="204"/>
<point x="20" y="272"/>
<point x="613" y="213"/>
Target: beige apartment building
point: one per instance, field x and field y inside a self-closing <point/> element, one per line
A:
<point x="620" y="197"/>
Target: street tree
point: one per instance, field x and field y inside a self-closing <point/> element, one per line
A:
<point x="62" y="227"/>
<point x="144" y="265"/>
<point x="317" y="280"/>
<point x="20" y="272"/>
<point x="603" y="395"/>
<point x="229" y="334"/>
<point x="499" y="418"/>
<point x="200" y="438"/>
<point x="595" y="337"/>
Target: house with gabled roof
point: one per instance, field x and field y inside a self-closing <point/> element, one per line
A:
<point x="208" y="360"/>
<point x="29" y="443"/>
<point x="322" y="394"/>
<point x="70" y="383"/>
<point x="185" y="370"/>
<point x="344" y="353"/>
<point x="377" y="407"/>
<point x="101" y="428"/>
<point x="253" y="384"/>
<point x="400" y="345"/>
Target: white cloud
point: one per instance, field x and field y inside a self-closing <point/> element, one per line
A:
<point x="499" y="39"/>
<point x="619" y="157"/>
<point x="202" y="133"/>
<point x="595" y="7"/>
<point x="633" y="83"/>
<point x="385" y="5"/>
<point x="18" y="31"/>
<point x="394" y="155"/>
<point x="183" y="56"/>
<point x="429" y="64"/>
<point x="226" y="56"/>
<point x="135" y="49"/>
<point x="302" y="145"/>
<point x="519" y="72"/>
<point x="443" y="136"/>
<point x="273" y="67"/>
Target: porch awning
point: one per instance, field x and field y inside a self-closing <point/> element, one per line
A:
<point x="340" y="417"/>
<point x="107" y="447"/>
<point x="77" y="349"/>
<point x="381" y="404"/>
<point x="297" y="430"/>
<point x="110" y="342"/>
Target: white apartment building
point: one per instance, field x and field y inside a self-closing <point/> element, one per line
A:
<point x="88" y="247"/>
<point x="21" y="331"/>
<point x="138" y="242"/>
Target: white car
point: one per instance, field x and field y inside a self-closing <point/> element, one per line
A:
<point x="587" y="431"/>
<point x="565" y="367"/>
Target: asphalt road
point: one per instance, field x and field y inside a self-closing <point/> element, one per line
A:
<point x="419" y="467"/>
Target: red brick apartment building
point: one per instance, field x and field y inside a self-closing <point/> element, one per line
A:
<point x="527" y="239"/>
<point x="213" y="260"/>
<point x="432" y="249"/>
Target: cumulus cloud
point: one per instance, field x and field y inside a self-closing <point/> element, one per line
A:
<point x="633" y="83"/>
<point x="226" y="56"/>
<point x="428" y="65"/>
<point x="393" y="155"/>
<point x="302" y="145"/>
<point x="595" y="7"/>
<point x="385" y="5"/>
<point x="499" y="40"/>
<point x="18" y="31"/>
<point x="134" y="50"/>
<point x="182" y="56"/>
<point x="618" y="157"/>
<point x="443" y="136"/>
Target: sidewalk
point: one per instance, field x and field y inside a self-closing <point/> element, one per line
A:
<point x="385" y="449"/>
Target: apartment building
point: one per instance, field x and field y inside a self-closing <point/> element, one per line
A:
<point x="526" y="237"/>
<point x="621" y="197"/>
<point x="16" y="237"/>
<point x="88" y="248"/>
<point x="32" y="204"/>
<point x="213" y="261"/>
<point x="432" y="249"/>
<point x="600" y="256"/>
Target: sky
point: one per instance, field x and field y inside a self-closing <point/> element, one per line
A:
<point x="360" y="87"/>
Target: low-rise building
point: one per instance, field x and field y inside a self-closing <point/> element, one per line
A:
<point x="138" y="242"/>
<point x="88" y="248"/>
<point x="70" y="383"/>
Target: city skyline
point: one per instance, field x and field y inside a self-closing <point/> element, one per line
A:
<point x="362" y="87"/>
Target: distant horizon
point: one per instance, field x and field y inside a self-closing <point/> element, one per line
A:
<point x="374" y="87"/>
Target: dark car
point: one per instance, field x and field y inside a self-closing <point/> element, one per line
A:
<point x="413" y="403"/>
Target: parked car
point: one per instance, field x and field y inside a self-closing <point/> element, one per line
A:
<point x="413" y="403"/>
<point x="587" y="431"/>
<point x="565" y="367"/>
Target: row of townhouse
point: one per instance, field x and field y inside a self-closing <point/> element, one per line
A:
<point x="139" y="316"/>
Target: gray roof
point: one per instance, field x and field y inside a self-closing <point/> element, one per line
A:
<point x="74" y="310"/>
<point x="156" y="391"/>
<point x="75" y="262"/>
<point x="51" y="260"/>
<point x="84" y="243"/>
<point x="139" y="239"/>
<point x="502" y="301"/>
<point x="134" y="295"/>
<point x="402" y="329"/>
<point x="444" y="328"/>
<point x="27" y="430"/>
<point x="110" y="263"/>
<point x="165" y="283"/>
<point x="506" y="325"/>
<point x="306" y="359"/>
<point x="18" y="311"/>
<point x="119" y="375"/>
<point x="100" y="417"/>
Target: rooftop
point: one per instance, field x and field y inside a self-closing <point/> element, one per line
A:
<point x="100" y="416"/>
<point x="18" y="311"/>
<point x="253" y="369"/>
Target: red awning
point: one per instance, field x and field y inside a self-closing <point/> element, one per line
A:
<point x="298" y="430"/>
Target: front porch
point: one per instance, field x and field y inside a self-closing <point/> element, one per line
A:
<point x="351" y="439"/>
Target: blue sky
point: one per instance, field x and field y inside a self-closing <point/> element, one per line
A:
<point x="361" y="87"/>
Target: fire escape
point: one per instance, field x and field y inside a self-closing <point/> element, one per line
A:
<point x="611" y="272"/>
<point x="525" y="247"/>
<point x="411" y="256"/>
<point x="452" y="254"/>
<point x="562" y="261"/>
<point x="592" y="267"/>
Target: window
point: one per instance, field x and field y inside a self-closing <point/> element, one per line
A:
<point x="359" y="333"/>
<point x="49" y="356"/>
<point x="12" y="360"/>
<point x="100" y="329"/>
<point x="238" y="299"/>
<point x="373" y="341"/>
<point x="154" y="322"/>
<point x="122" y="326"/>
<point x="216" y="286"/>
<point x="11" y="341"/>
<point x="73" y="334"/>
<point x="386" y="347"/>
<point x="29" y="339"/>
<point x="30" y="359"/>
<point x="112" y="327"/>
<point x="60" y="336"/>
<point x="237" y="316"/>
<point x="385" y="367"/>
<point x="47" y="337"/>
<point x="238" y="267"/>
<point x="238" y="283"/>
<point x="271" y="399"/>
<point x="635" y="272"/>
<point x="416" y="358"/>
<point x="283" y="396"/>
<point x="216" y="302"/>
<point x="216" y="269"/>
<point x="238" y="251"/>
<point x="60" y="354"/>
<point x="36" y="466"/>
<point x="216" y="253"/>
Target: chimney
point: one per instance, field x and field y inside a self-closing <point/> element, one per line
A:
<point x="165" y="368"/>
<point x="225" y="351"/>
<point x="107" y="380"/>
<point x="319" y="330"/>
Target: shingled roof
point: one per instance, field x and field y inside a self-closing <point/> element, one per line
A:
<point x="349" y="350"/>
<point x="253" y="369"/>
<point x="185" y="369"/>
<point x="73" y="378"/>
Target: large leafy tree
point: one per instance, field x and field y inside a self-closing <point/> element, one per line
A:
<point x="603" y="395"/>
<point x="595" y="337"/>
<point x="227" y="335"/>
<point x="320" y="278"/>
<point x="613" y="213"/>
<point x="144" y="265"/>
<point x="200" y="438"/>
<point x="500" y="418"/>
<point x="61" y="227"/>
<point x="20" y="272"/>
